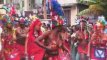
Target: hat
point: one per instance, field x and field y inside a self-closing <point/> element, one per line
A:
<point x="100" y="25"/>
<point x="21" y="21"/>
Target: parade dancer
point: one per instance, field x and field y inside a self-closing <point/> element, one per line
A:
<point x="53" y="44"/>
<point x="10" y="47"/>
<point x="34" y="51"/>
<point x="98" y="42"/>
<point x="21" y="34"/>
<point x="82" y="38"/>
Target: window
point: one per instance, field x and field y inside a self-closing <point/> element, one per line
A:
<point x="32" y="3"/>
<point x="67" y="13"/>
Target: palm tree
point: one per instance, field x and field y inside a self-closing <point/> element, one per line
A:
<point x="97" y="7"/>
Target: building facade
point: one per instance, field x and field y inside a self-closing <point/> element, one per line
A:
<point x="71" y="9"/>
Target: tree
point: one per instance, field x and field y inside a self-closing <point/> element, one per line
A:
<point x="97" y="7"/>
<point x="101" y="5"/>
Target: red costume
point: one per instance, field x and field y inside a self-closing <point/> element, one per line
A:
<point x="21" y="34"/>
<point x="12" y="11"/>
<point x="57" y="51"/>
<point x="54" y="53"/>
<point x="10" y="48"/>
<point x="98" y="42"/>
<point x="32" y="48"/>
<point x="83" y="44"/>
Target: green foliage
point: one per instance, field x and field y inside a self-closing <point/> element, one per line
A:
<point x="84" y="12"/>
<point x="97" y="6"/>
<point x="96" y="9"/>
<point x="103" y="4"/>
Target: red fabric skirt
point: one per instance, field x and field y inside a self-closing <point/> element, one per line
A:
<point x="12" y="53"/>
<point x="36" y="51"/>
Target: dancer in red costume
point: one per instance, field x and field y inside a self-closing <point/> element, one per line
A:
<point x="98" y="40"/>
<point x="35" y="52"/>
<point x="10" y="48"/>
<point x="21" y="34"/>
<point x="82" y="37"/>
<point x="53" y="43"/>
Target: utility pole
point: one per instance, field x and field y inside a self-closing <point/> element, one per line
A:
<point x="44" y="9"/>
